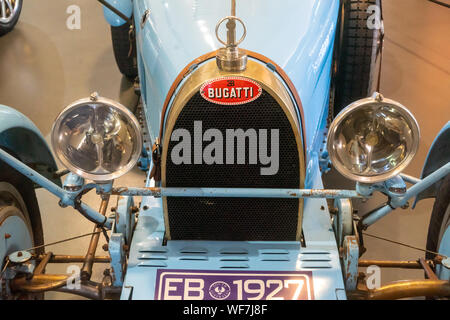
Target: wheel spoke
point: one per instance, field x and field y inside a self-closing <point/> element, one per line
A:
<point x="11" y="9"/>
<point x="8" y="10"/>
<point x="3" y="8"/>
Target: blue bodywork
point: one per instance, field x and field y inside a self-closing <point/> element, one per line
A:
<point x="321" y="256"/>
<point x="177" y="32"/>
<point x="124" y="6"/>
<point x="23" y="139"/>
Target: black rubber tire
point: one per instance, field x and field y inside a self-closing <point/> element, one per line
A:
<point x="356" y="54"/>
<point x="26" y="190"/>
<point x="121" y="45"/>
<point x="5" y="28"/>
<point x="437" y="217"/>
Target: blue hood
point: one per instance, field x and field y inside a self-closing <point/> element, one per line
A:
<point x="297" y="35"/>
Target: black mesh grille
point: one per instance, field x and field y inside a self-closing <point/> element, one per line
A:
<point x="234" y="218"/>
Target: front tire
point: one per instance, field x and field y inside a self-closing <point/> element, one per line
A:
<point x="18" y="191"/>
<point x="125" y="50"/>
<point x="358" y="48"/>
<point x="9" y="15"/>
<point x="20" y="219"/>
<point x="439" y="222"/>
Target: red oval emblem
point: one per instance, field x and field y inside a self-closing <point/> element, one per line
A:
<point x="231" y="91"/>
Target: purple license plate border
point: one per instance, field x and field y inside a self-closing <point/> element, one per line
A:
<point x="182" y="284"/>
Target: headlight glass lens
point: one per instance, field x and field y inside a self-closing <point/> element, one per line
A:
<point x="373" y="139"/>
<point x="98" y="140"/>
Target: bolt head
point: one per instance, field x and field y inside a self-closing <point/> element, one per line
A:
<point x="406" y="206"/>
<point x="378" y="96"/>
<point x="94" y="96"/>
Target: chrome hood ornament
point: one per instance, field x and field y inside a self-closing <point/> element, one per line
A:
<point x="231" y="58"/>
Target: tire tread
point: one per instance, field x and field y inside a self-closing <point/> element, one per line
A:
<point x="121" y="45"/>
<point x="356" y="56"/>
<point x="437" y="217"/>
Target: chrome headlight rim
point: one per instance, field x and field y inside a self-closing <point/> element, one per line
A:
<point x="95" y="99"/>
<point x="378" y="99"/>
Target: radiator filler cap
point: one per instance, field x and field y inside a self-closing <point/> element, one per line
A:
<point x="231" y="58"/>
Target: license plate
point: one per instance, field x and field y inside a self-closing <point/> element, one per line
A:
<point x="233" y="285"/>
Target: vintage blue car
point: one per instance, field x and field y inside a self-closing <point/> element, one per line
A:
<point x="243" y="108"/>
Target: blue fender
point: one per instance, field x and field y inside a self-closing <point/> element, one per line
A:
<point x="124" y="6"/>
<point x="20" y="137"/>
<point x="438" y="156"/>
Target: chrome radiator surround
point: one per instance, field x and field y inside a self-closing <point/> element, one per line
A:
<point x="270" y="83"/>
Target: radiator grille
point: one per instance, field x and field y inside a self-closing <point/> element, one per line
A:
<point x="234" y="218"/>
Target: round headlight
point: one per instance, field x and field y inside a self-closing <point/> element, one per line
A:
<point x="97" y="138"/>
<point x="373" y="139"/>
